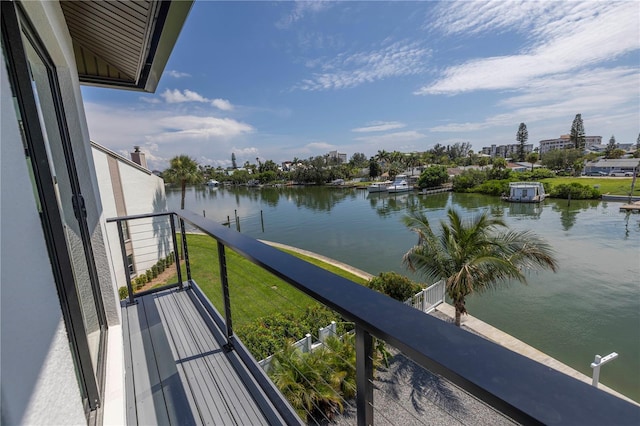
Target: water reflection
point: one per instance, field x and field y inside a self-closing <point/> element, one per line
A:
<point x="318" y="198"/>
<point x="569" y="210"/>
<point x="385" y="204"/>
<point x="525" y="210"/>
<point x="590" y="305"/>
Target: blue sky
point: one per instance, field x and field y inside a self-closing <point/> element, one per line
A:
<point x="278" y="80"/>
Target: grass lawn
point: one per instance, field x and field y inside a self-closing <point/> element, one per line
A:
<point x="253" y="291"/>
<point x="608" y="185"/>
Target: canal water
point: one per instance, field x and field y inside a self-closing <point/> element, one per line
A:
<point x="590" y="306"/>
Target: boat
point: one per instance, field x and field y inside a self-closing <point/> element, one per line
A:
<point x="212" y="182"/>
<point x="525" y="192"/>
<point x="400" y="184"/>
<point x="379" y="186"/>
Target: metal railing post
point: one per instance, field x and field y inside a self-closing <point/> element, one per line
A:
<point x="364" y="376"/>
<point x="125" y="262"/>
<point x="176" y="255"/>
<point x="185" y="250"/>
<point x="222" y="259"/>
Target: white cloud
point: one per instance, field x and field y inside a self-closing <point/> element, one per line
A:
<point x="379" y="126"/>
<point x="196" y="127"/>
<point x="302" y="8"/>
<point x="396" y="138"/>
<point x="177" y="74"/>
<point x="590" y="34"/>
<point x="319" y="145"/>
<point x="245" y="152"/>
<point x="222" y="104"/>
<point x="175" y="96"/>
<point x="351" y="70"/>
<point x="162" y="134"/>
<point x="542" y="99"/>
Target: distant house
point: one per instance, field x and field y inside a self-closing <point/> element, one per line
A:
<point x="608" y="165"/>
<point x="518" y="167"/>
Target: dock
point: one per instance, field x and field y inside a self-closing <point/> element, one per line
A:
<point x="633" y="207"/>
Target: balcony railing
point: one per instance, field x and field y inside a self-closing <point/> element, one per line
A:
<point x="522" y="389"/>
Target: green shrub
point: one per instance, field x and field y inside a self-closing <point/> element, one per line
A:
<point x="154" y="271"/>
<point x="575" y="190"/>
<point x="469" y="179"/>
<point x="537" y="174"/>
<point x="492" y="187"/>
<point x="265" y="336"/>
<point x="499" y="174"/>
<point x="161" y="266"/>
<point x="317" y="383"/>
<point x="433" y="176"/>
<point x="394" y="285"/>
<point x="149" y="275"/>
<point x="142" y="280"/>
<point x="123" y="292"/>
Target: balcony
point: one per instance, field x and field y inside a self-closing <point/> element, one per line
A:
<point x="186" y="365"/>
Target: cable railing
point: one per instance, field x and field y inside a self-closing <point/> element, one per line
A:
<point x="391" y="342"/>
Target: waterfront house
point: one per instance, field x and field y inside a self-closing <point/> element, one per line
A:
<point x="73" y="354"/>
<point x="525" y="192"/>
<point x="607" y="165"/>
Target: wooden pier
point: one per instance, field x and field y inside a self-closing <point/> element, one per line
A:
<point x="633" y="207"/>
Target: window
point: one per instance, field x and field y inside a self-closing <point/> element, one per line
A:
<point x="131" y="266"/>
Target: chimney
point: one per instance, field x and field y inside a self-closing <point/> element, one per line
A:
<point x="138" y="157"/>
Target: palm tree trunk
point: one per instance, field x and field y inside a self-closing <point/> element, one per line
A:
<point x="460" y="309"/>
<point x="183" y="186"/>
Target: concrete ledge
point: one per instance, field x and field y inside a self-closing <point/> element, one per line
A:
<point x="505" y="340"/>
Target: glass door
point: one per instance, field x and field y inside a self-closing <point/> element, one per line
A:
<point x="57" y="189"/>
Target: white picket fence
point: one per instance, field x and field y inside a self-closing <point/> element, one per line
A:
<point x="429" y="298"/>
<point x="306" y="344"/>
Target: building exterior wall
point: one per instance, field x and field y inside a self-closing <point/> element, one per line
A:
<point x="140" y="191"/>
<point x="564" y="141"/>
<point x="505" y="151"/>
<point x="38" y="382"/>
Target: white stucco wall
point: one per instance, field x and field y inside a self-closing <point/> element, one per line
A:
<point x="38" y="383"/>
<point x="143" y="193"/>
<point x="38" y="380"/>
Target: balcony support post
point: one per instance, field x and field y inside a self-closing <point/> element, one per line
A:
<point x="185" y="250"/>
<point x="176" y="256"/>
<point x="126" y="263"/>
<point x="364" y="376"/>
<point x="222" y="259"/>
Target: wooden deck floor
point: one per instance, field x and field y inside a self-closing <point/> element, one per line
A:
<point x="178" y="373"/>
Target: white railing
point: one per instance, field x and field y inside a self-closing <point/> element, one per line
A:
<point x="306" y="344"/>
<point x="429" y="298"/>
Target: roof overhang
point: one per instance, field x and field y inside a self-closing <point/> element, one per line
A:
<point x="123" y="43"/>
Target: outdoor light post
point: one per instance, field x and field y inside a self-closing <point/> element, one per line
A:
<point x="598" y="362"/>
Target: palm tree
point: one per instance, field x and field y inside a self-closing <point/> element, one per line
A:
<point x="183" y="170"/>
<point x="474" y="255"/>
